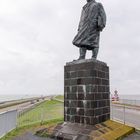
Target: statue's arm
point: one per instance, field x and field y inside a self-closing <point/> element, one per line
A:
<point x="101" y="17"/>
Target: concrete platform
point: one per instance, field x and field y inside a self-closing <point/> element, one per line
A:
<point x="134" y="136"/>
<point x="108" y="130"/>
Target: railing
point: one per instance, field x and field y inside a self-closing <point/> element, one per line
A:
<point x="126" y="112"/>
<point x="8" y="121"/>
<point x="130" y="102"/>
<point x="123" y="112"/>
<point x="40" y="114"/>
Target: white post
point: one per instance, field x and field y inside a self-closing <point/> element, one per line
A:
<point x="124" y="114"/>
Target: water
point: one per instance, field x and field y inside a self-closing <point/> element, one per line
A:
<point x="130" y="97"/>
<point x="4" y="98"/>
<point x="17" y="97"/>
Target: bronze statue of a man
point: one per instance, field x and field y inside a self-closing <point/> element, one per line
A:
<point x="92" y="22"/>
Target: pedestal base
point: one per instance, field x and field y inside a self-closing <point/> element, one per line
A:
<point x="108" y="130"/>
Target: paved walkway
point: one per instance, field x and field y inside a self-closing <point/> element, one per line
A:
<point x="117" y="113"/>
<point x="135" y="136"/>
<point x="30" y="136"/>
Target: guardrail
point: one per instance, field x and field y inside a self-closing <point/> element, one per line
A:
<point x="126" y="113"/>
<point x="122" y="112"/>
<point x="8" y="121"/>
<point x="130" y="102"/>
<point x="40" y="114"/>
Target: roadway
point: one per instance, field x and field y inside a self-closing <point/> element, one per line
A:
<point x="21" y="106"/>
<point x="17" y="107"/>
<point x="126" y="115"/>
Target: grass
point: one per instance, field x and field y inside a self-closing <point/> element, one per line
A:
<point x="48" y="110"/>
<point x="33" y="128"/>
<point x="44" y="115"/>
<point x="60" y="97"/>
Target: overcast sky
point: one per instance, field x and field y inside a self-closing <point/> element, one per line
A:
<point x="35" y="44"/>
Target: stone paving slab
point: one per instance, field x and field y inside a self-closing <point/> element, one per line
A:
<point x="30" y="136"/>
<point x="108" y="130"/>
<point x="135" y="136"/>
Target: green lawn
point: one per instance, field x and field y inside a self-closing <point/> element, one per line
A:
<point x="30" y="128"/>
<point x="46" y="114"/>
<point x="48" y="110"/>
<point x="60" y="97"/>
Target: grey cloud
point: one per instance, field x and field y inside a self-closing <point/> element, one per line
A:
<point x="36" y="43"/>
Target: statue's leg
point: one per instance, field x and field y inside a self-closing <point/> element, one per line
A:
<point x="95" y="53"/>
<point x="82" y="53"/>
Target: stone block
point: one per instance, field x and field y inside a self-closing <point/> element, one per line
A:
<point x="87" y="92"/>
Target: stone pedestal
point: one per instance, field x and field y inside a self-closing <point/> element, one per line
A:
<point x="86" y="101"/>
<point x="87" y="92"/>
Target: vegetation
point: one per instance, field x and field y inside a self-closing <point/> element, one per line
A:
<point x="46" y="114"/>
<point x="47" y="110"/>
<point x="32" y="128"/>
<point x="60" y="97"/>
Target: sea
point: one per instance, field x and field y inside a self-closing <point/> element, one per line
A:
<point x="4" y="98"/>
<point x="129" y="97"/>
<point x="18" y="97"/>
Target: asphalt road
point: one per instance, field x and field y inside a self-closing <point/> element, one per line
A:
<point x="20" y="107"/>
<point x="30" y="136"/>
<point x="134" y="136"/>
<point x="126" y="115"/>
<point x="15" y="107"/>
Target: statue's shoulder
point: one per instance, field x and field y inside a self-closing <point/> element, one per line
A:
<point x="99" y="4"/>
<point x="84" y="6"/>
<point x="96" y="4"/>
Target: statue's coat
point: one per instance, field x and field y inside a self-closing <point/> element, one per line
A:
<point x="93" y="20"/>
